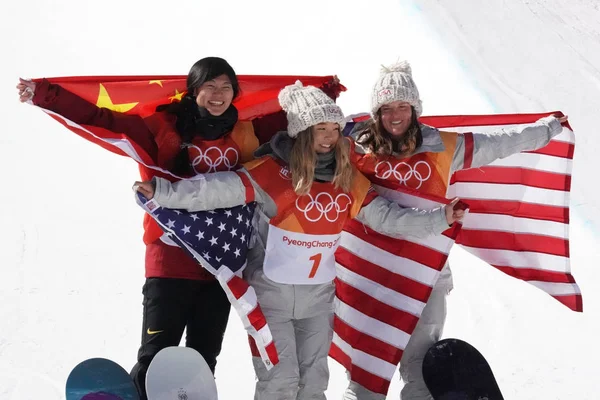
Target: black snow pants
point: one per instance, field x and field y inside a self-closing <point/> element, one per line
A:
<point x="170" y="306"/>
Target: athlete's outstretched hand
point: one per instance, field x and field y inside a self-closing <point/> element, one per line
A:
<point x="562" y="119"/>
<point x="26" y="90"/>
<point x="145" y="188"/>
<point x="455" y="211"/>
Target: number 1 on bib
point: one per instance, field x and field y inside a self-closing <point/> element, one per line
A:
<point x="316" y="259"/>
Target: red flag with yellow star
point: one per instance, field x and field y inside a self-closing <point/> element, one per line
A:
<point x="132" y="98"/>
<point x="140" y="95"/>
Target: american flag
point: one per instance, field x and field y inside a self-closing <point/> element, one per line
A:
<point x="518" y="223"/>
<point x="219" y="240"/>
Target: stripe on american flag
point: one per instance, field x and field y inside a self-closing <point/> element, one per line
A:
<point x="382" y="286"/>
<point x="518" y="222"/>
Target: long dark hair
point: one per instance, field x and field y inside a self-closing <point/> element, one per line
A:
<point x="186" y="110"/>
<point x="381" y="142"/>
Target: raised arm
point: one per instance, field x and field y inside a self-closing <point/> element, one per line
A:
<point x="267" y="126"/>
<point x="56" y="98"/>
<point x="493" y="146"/>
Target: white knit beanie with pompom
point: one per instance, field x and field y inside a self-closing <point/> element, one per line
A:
<point x="395" y="83"/>
<point x="306" y="106"/>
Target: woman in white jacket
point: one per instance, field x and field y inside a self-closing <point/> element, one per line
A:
<point x="306" y="188"/>
<point x="398" y="154"/>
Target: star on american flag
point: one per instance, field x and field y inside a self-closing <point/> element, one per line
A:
<point x="216" y="238"/>
<point x="223" y="255"/>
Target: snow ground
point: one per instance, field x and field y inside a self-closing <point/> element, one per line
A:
<point x="72" y="258"/>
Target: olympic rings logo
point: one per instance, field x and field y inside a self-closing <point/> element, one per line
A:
<point x="213" y="157"/>
<point x="324" y="205"/>
<point x="404" y="173"/>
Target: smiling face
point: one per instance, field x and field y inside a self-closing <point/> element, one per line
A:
<point x="215" y="95"/>
<point x="325" y="136"/>
<point x="396" y="117"/>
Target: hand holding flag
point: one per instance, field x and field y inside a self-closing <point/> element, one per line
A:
<point x="145" y="188"/>
<point x="26" y="90"/>
<point x="218" y="240"/>
<point x="455" y="211"/>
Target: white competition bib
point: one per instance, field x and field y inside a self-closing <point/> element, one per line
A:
<point x="299" y="258"/>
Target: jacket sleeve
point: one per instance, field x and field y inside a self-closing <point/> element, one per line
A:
<point x="55" y="98"/>
<point x="488" y="147"/>
<point x="267" y="126"/>
<point x="390" y="219"/>
<point x="208" y="192"/>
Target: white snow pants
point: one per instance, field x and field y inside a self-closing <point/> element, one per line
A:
<point x="427" y="332"/>
<point x="301" y="320"/>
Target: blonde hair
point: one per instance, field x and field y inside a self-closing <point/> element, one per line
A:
<point x="303" y="160"/>
<point x="380" y="142"/>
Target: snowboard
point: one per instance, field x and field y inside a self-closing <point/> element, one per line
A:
<point x="180" y="373"/>
<point x="100" y="379"/>
<point x="455" y="370"/>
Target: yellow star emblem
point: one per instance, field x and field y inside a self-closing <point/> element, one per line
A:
<point x="105" y="101"/>
<point x="177" y="96"/>
<point x="158" y="82"/>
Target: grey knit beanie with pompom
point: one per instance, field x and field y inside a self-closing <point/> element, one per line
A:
<point x="307" y="106"/>
<point x="395" y="83"/>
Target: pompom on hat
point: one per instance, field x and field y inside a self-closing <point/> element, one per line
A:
<point x="306" y="106"/>
<point x="395" y="83"/>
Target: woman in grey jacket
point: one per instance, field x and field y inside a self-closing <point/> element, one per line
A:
<point x="306" y="189"/>
<point x="399" y="154"/>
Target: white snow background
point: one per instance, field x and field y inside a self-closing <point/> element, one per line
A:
<point x="71" y="254"/>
